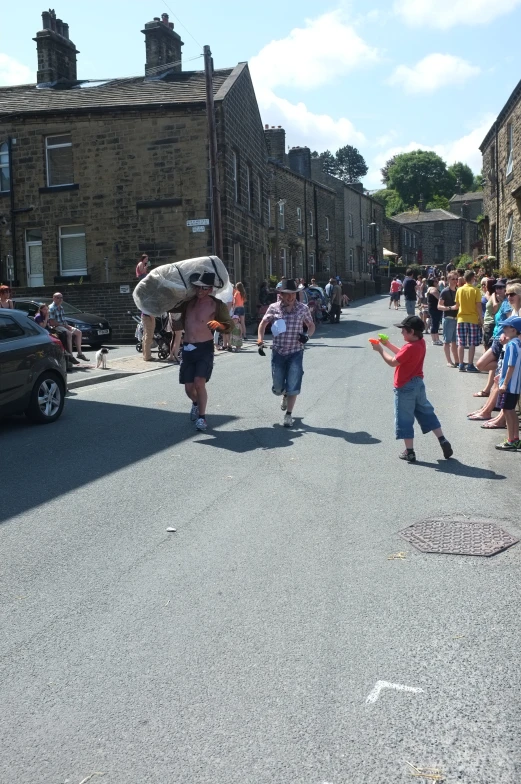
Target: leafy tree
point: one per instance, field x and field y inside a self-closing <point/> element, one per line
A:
<point x="390" y="200"/>
<point x="438" y="203"/>
<point x="462" y="176"/>
<point x="351" y="165"/>
<point x="385" y="170"/>
<point x="477" y="185"/>
<point x="329" y="164"/>
<point x="419" y="173"/>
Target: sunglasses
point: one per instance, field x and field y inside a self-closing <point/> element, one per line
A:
<point x="511" y="293"/>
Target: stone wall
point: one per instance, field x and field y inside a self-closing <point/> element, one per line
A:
<point x="443" y="240"/>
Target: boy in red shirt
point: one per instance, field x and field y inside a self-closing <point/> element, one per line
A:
<point x="410" y="399"/>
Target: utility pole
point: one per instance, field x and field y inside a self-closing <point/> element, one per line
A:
<point x="215" y="190"/>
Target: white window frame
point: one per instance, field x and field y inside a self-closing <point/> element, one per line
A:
<point x="351" y="260"/>
<point x="283" y="261"/>
<point x="350" y="224"/>
<point x="327" y="228"/>
<point x="312" y="264"/>
<point x="510" y="149"/>
<point x="4" y="150"/>
<point x="311" y="224"/>
<point x="56" y="147"/>
<point x="510" y="229"/>
<point x="72" y="272"/>
<point x="282" y="215"/>
<point x="299" y="220"/>
<point x="235" y="176"/>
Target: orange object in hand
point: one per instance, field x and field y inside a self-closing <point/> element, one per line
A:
<point x="217" y="326"/>
<point x="373" y="341"/>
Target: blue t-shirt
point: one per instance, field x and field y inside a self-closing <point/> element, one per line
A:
<point x="512" y="358"/>
<point x="501" y="315"/>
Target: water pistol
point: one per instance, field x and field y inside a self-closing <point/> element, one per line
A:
<point x="374" y="341"/>
<point x="383" y="337"/>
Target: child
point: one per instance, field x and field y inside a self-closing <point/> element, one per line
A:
<point x="410" y="400"/>
<point x="510" y="383"/>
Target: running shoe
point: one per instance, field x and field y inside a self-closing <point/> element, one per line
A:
<point x="201" y="424"/>
<point x="82" y="356"/>
<point x="288" y="420"/>
<point x="194" y="412"/>
<point x="462" y="367"/>
<point x="284" y="404"/>
<point x="410" y="457"/>
<point x="472" y="369"/>
<point x="446" y="449"/>
<point x="509" y="446"/>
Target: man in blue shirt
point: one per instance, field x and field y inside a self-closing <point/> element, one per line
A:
<point x="57" y="320"/>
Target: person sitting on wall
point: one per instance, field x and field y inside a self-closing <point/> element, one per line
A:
<point x="57" y="320"/>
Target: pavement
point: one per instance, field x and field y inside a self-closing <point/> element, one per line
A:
<point x="276" y="636"/>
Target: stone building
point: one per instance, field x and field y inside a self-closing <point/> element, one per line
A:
<point x="467" y="205"/>
<point x="404" y="241"/>
<point x="359" y="224"/>
<point x="443" y="235"/>
<point x="302" y="234"/>
<point x="501" y="150"/>
<point x="93" y="173"/>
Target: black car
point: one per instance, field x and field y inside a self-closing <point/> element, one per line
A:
<point x="33" y="375"/>
<point x="95" y="330"/>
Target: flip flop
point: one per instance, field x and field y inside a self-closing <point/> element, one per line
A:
<point x="478" y="418"/>
<point x="493" y="426"/>
<point x="481" y="393"/>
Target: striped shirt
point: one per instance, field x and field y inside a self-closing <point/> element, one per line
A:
<point x="512" y="358"/>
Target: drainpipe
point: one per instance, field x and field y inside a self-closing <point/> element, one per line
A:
<point x="13" y="213"/>
<point x="498" y="242"/>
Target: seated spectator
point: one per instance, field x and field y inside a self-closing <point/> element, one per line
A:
<point x="57" y="320"/>
<point x="42" y="316"/>
<point x="5" y="301"/>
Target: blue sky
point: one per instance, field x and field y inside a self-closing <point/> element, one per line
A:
<point x="384" y="76"/>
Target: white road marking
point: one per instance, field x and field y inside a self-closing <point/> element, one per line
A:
<point x="380" y="685"/>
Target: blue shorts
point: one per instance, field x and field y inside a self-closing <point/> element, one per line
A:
<point x="410" y="403"/>
<point x="239" y="311"/>
<point x="449" y="329"/>
<point x="287" y="372"/>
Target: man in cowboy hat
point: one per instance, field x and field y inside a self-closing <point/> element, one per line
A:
<point x="290" y="321"/>
<point x="199" y="317"/>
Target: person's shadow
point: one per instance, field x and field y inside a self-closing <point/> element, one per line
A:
<point x="456" y="468"/>
<point x="277" y="436"/>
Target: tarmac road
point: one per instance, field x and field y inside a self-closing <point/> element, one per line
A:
<point x="243" y="648"/>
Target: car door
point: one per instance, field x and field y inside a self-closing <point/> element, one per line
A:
<point x="19" y="349"/>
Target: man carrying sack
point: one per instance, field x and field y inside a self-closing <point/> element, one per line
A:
<point x="291" y="327"/>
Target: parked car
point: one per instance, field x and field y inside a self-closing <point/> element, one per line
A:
<point x="96" y="330"/>
<point x="33" y="374"/>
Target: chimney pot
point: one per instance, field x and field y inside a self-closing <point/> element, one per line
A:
<point x="56" y="52"/>
<point x="156" y="19"/>
<point x="276" y="143"/>
<point x="164" y="18"/>
<point x="59" y="27"/>
<point x="163" y="46"/>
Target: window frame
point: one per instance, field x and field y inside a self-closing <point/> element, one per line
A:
<point x="510" y="150"/>
<point x="235" y="177"/>
<point x="70" y="272"/>
<point x="283" y="261"/>
<point x="510" y="229"/>
<point x="249" y="187"/>
<point x="327" y="229"/>
<point x="351" y="260"/>
<point x="57" y="147"/>
<point x="350" y="224"/>
<point x="4" y="150"/>
<point x="311" y="224"/>
<point x="259" y="195"/>
<point x="281" y="215"/>
<point x="312" y="263"/>
<point x="299" y="220"/>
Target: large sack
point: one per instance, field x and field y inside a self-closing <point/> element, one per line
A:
<point x="169" y="285"/>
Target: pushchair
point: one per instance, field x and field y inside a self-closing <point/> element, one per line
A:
<point x="161" y="336"/>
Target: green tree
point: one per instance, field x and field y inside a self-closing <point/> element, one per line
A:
<point x="390" y="200"/>
<point x="462" y="177"/>
<point x="385" y="170"/>
<point x="438" y="203"/>
<point x="477" y="185"/>
<point x="329" y="164"/>
<point x="419" y="173"/>
<point x="351" y="165"/>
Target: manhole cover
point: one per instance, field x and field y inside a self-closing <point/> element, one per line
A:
<point x="458" y="536"/>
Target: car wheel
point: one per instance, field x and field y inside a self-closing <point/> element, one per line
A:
<point x="47" y="399"/>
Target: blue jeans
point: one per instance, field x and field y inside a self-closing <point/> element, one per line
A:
<point x="410" y="403"/>
<point x="410" y="305"/>
<point x="287" y="372"/>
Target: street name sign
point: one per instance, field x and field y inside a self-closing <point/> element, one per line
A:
<point x="198" y="222"/>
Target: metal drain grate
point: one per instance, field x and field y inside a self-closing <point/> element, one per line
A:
<point x="458" y="536"/>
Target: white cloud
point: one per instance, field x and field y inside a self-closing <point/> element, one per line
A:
<point x="12" y="72"/>
<point x="432" y="73"/>
<point x="444" y="14"/>
<point x="465" y="149"/>
<point x="327" y="47"/>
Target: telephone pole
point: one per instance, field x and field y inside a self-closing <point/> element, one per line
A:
<point x="215" y="190"/>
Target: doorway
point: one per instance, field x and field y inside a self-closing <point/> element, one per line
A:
<point x="34" y="257"/>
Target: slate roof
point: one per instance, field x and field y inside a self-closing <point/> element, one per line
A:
<point x="427" y="216"/>
<point x="471" y="196"/>
<point x="184" y="87"/>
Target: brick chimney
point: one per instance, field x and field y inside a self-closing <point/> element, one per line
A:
<point x="56" y="52"/>
<point x="163" y="46"/>
<point x="276" y="142"/>
<point x="299" y="159"/>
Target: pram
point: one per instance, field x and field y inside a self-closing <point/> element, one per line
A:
<point x="161" y="336"/>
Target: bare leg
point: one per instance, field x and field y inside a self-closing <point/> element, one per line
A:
<point x="242" y="320"/>
<point x="191" y="392"/>
<point x="77" y="339"/>
<point x="446" y="348"/>
<point x="488" y="407"/>
<point x="512" y="425"/>
<point x="201" y="395"/>
<point x="455" y="352"/>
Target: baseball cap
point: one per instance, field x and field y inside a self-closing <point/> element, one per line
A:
<point x="513" y="321"/>
<point x="412" y="323"/>
<point x="501" y="283"/>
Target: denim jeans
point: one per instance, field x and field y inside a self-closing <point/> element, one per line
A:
<point x="410" y="403"/>
<point x="287" y="373"/>
<point x="410" y="305"/>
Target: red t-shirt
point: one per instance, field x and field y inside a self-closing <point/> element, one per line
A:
<point x="396" y="286"/>
<point x="410" y="358"/>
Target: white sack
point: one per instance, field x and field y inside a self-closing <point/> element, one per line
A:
<point x="167" y="286"/>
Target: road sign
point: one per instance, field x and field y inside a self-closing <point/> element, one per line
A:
<point x="198" y="222"/>
<point x="198" y="229"/>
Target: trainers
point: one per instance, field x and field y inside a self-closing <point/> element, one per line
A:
<point x="461" y="367"/>
<point x="288" y="420"/>
<point x="472" y="369"/>
<point x="410" y="457"/>
<point x="194" y="412"/>
<point x="509" y="446"/>
<point x="446" y="449"/>
<point x="201" y="424"/>
<point x="80" y="355"/>
<point x="284" y="404"/>
<point x="73" y="359"/>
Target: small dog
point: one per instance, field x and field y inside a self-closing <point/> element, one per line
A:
<point x="101" y="358"/>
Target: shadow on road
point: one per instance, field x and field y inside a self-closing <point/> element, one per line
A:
<point x="348" y="329"/>
<point x="276" y="437"/>
<point x="456" y="468"/>
<point x="91" y="440"/>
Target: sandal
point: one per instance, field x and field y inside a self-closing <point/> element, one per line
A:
<point x="491" y="425"/>
<point x="478" y="418"/>
<point x="481" y="393"/>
